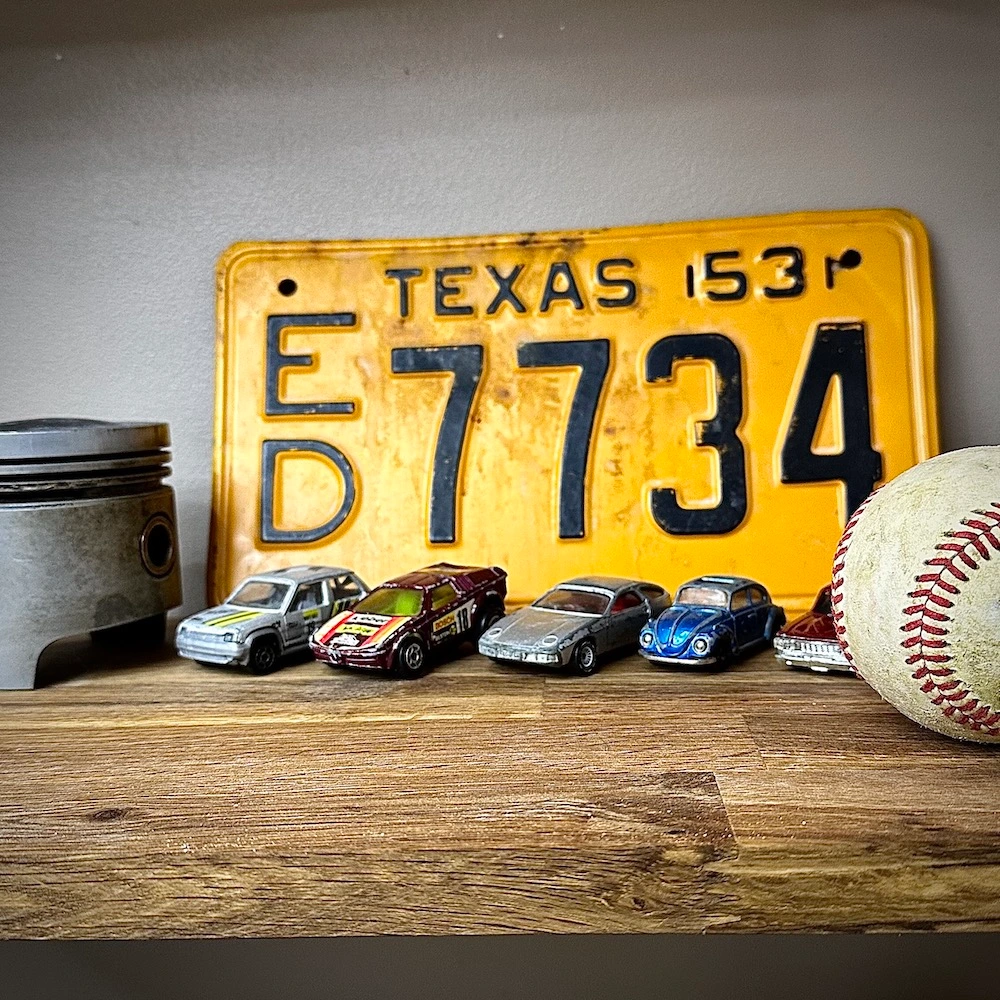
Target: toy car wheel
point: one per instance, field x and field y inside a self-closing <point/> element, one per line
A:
<point x="585" y="658"/>
<point x="486" y="619"/>
<point x="724" y="650"/>
<point x="410" y="658"/>
<point x="263" y="657"/>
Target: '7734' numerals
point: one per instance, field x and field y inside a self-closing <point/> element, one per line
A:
<point x="837" y="351"/>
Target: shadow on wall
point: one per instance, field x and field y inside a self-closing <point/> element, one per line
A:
<point x="83" y="22"/>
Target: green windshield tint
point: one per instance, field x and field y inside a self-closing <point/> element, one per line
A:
<point x="391" y="601"/>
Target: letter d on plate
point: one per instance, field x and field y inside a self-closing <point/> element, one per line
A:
<point x="270" y="451"/>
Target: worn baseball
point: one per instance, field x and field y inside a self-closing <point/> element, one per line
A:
<point x="916" y="593"/>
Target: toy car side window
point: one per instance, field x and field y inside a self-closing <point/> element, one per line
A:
<point x="757" y="596"/>
<point x="345" y="586"/>
<point x="309" y="595"/>
<point x="651" y="593"/>
<point x="442" y="595"/>
<point x="824" y="604"/>
<point x="624" y="602"/>
<point x="741" y="600"/>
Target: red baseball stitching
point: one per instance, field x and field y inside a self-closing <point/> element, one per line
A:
<point x="837" y="584"/>
<point x="960" y="553"/>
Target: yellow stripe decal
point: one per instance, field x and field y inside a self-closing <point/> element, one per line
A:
<point x="233" y="618"/>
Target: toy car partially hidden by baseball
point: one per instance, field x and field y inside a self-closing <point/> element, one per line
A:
<point x="576" y="622"/>
<point x="810" y="642"/>
<point x="267" y="616"/>
<point x="713" y="620"/>
<point x="399" y="623"/>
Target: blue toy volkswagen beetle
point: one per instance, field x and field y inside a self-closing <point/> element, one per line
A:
<point x="713" y="620"/>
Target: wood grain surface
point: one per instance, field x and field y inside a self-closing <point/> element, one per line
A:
<point x="144" y="796"/>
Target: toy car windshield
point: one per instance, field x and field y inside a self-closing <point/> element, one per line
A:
<point x="391" y="601"/>
<point x="260" y="594"/>
<point x="703" y="597"/>
<point x="581" y="602"/>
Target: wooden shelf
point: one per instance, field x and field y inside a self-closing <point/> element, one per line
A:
<point x="151" y="797"/>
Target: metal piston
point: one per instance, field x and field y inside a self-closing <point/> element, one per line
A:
<point x="88" y="539"/>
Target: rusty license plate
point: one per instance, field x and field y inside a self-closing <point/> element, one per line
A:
<point x="656" y="401"/>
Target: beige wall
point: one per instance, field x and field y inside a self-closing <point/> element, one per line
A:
<point x="137" y="141"/>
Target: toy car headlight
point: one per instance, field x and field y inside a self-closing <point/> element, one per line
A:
<point x="493" y="633"/>
<point x="229" y="637"/>
<point x="550" y="640"/>
<point x="700" y="645"/>
<point x="645" y="638"/>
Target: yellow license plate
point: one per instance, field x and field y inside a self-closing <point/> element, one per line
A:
<point x="656" y="401"/>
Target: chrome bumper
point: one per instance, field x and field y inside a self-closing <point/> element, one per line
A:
<point x="212" y="650"/>
<point x="682" y="661"/>
<point x="816" y="655"/>
<point x="515" y="654"/>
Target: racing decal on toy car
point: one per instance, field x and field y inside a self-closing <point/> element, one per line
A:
<point x="453" y="623"/>
<point x="360" y="629"/>
<point x="346" y="639"/>
<point x="438" y="606"/>
<point x="232" y="619"/>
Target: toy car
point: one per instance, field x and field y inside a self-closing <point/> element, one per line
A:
<point x="714" y="619"/>
<point x="575" y="622"/>
<point x="268" y="615"/>
<point x="810" y="642"/>
<point x="399" y="623"/>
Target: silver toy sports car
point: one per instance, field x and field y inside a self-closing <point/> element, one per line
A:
<point x="268" y="615"/>
<point x="575" y="622"/>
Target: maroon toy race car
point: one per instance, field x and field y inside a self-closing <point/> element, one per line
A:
<point x="811" y="641"/>
<point x="397" y="625"/>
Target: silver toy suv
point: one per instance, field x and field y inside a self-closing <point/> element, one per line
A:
<point x="268" y="615"/>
